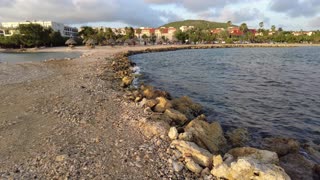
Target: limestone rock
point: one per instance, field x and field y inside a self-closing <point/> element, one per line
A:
<point x="177" y="166"/>
<point x="176" y="116"/>
<point x="193" y="166"/>
<point x="199" y="155"/>
<point x="173" y="133"/>
<point x="262" y="156"/>
<point x="217" y="160"/>
<point x="126" y="81"/>
<point x="61" y="158"/>
<point x="162" y="105"/>
<point x="238" y="137"/>
<point x="151" y="103"/>
<point x="248" y="168"/>
<point x="282" y="146"/>
<point x="209" y="136"/>
<point x="154" y="128"/>
<point x="186" y="106"/>
<point x="297" y="166"/>
<point x="186" y="136"/>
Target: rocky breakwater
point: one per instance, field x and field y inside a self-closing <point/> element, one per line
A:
<point x="203" y="148"/>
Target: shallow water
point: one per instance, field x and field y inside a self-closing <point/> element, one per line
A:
<point x="270" y="91"/>
<point x="36" y="56"/>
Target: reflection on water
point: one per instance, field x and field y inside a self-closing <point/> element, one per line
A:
<point x="271" y="91"/>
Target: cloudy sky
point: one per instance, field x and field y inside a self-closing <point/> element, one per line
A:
<point x="288" y="14"/>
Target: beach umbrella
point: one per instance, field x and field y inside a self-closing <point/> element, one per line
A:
<point x="71" y="42"/>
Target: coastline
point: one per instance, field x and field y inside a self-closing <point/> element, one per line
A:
<point x="134" y="114"/>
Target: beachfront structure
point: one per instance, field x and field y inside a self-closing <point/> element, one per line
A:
<point x="233" y="31"/>
<point x="299" y="33"/>
<point x="160" y="33"/>
<point x="66" y="31"/>
<point x="186" y="28"/>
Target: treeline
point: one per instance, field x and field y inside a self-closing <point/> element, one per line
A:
<point x="198" y="35"/>
<point x="32" y="35"/>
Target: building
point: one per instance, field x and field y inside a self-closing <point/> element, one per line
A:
<point x="167" y="33"/>
<point x="186" y="28"/>
<point x="66" y="31"/>
<point x="299" y="33"/>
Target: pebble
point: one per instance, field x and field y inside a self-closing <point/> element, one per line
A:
<point x="177" y="166"/>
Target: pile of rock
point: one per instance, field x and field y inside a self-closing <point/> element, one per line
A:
<point x="202" y="147"/>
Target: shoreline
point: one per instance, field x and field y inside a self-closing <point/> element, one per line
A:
<point x="102" y="60"/>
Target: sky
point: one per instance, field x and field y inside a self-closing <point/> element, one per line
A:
<point x="288" y="14"/>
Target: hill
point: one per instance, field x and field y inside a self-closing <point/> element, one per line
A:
<point x="196" y="23"/>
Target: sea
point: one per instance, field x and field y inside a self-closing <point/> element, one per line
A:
<point x="21" y="57"/>
<point x="270" y="91"/>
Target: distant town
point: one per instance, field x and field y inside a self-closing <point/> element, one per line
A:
<point x="49" y="33"/>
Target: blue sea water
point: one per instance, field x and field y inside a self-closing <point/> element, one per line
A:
<point x="270" y="91"/>
<point x="35" y="56"/>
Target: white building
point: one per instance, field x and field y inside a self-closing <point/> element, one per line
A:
<point x="66" y="31"/>
<point x="186" y="28"/>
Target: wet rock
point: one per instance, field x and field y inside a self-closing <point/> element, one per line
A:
<point x="173" y="133"/>
<point x="209" y="136"/>
<point x="297" y="166"/>
<point x="199" y="155"/>
<point x="262" y="156"/>
<point x="205" y="172"/>
<point x="248" y="168"/>
<point x="186" y="136"/>
<point x="177" y="166"/>
<point x="162" y="105"/>
<point x="193" y="166"/>
<point x="238" y="137"/>
<point x="281" y="146"/>
<point x="186" y="106"/>
<point x="176" y="116"/>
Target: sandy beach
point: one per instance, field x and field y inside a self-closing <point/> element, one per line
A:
<point x="71" y="119"/>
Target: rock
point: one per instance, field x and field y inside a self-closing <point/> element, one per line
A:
<point x="186" y="106"/>
<point x="61" y="158"/>
<point x="205" y="172"/>
<point x="126" y="81"/>
<point x="217" y="160"/>
<point x="209" y="136"/>
<point x="316" y="171"/>
<point x="248" y="168"/>
<point x="262" y="156"/>
<point x="193" y="166"/>
<point x="199" y="155"/>
<point x="177" y="166"/>
<point x="238" y="137"/>
<point x="281" y="146"/>
<point x="186" y="136"/>
<point x="297" y="166"/>
<point x="151" y="103"/>
<point x="176" y="116"/>
<point x="173" y="133"/>
<point x="162" y="105"/>
<point x="147" y="91"/>
<point x="154" y="128"/>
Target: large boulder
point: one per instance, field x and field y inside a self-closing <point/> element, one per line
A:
<point x="248" y="168"/>
<point x="199" y="155"/>
<point x="186" y="106"/>
<point x="238" y="137"/>
<point x="281" y="146"/>
<point x="262" y="156"/>
<point x="208" y="136"/>
<point x="162" y="105"/>
<point x="176" y="116"/>
<point x="126" y="81"/>
<point x="173" y="133"/>
<point x="297" y="166"/>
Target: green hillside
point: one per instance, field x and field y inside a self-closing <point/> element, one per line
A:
<point x="196" y="23"/>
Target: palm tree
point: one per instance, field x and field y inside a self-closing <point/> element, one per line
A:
<point x="261" y="25"/>
<point x="273" y="28"/>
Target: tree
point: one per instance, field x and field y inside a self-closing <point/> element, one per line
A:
<point x="229" y="23"/>
<point x="34" y="34"/>
<point x="87" y="32"/>
<point x="280" y="29"/>
<point x="138" y="31"/>
<point x="181" y="36"/>
<point x="261" y="25"/>
<point x="273" y="28"/>
<point x="129" y="33"/>
<point x="56" y="39"/>
<point x="244" y="28"/>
